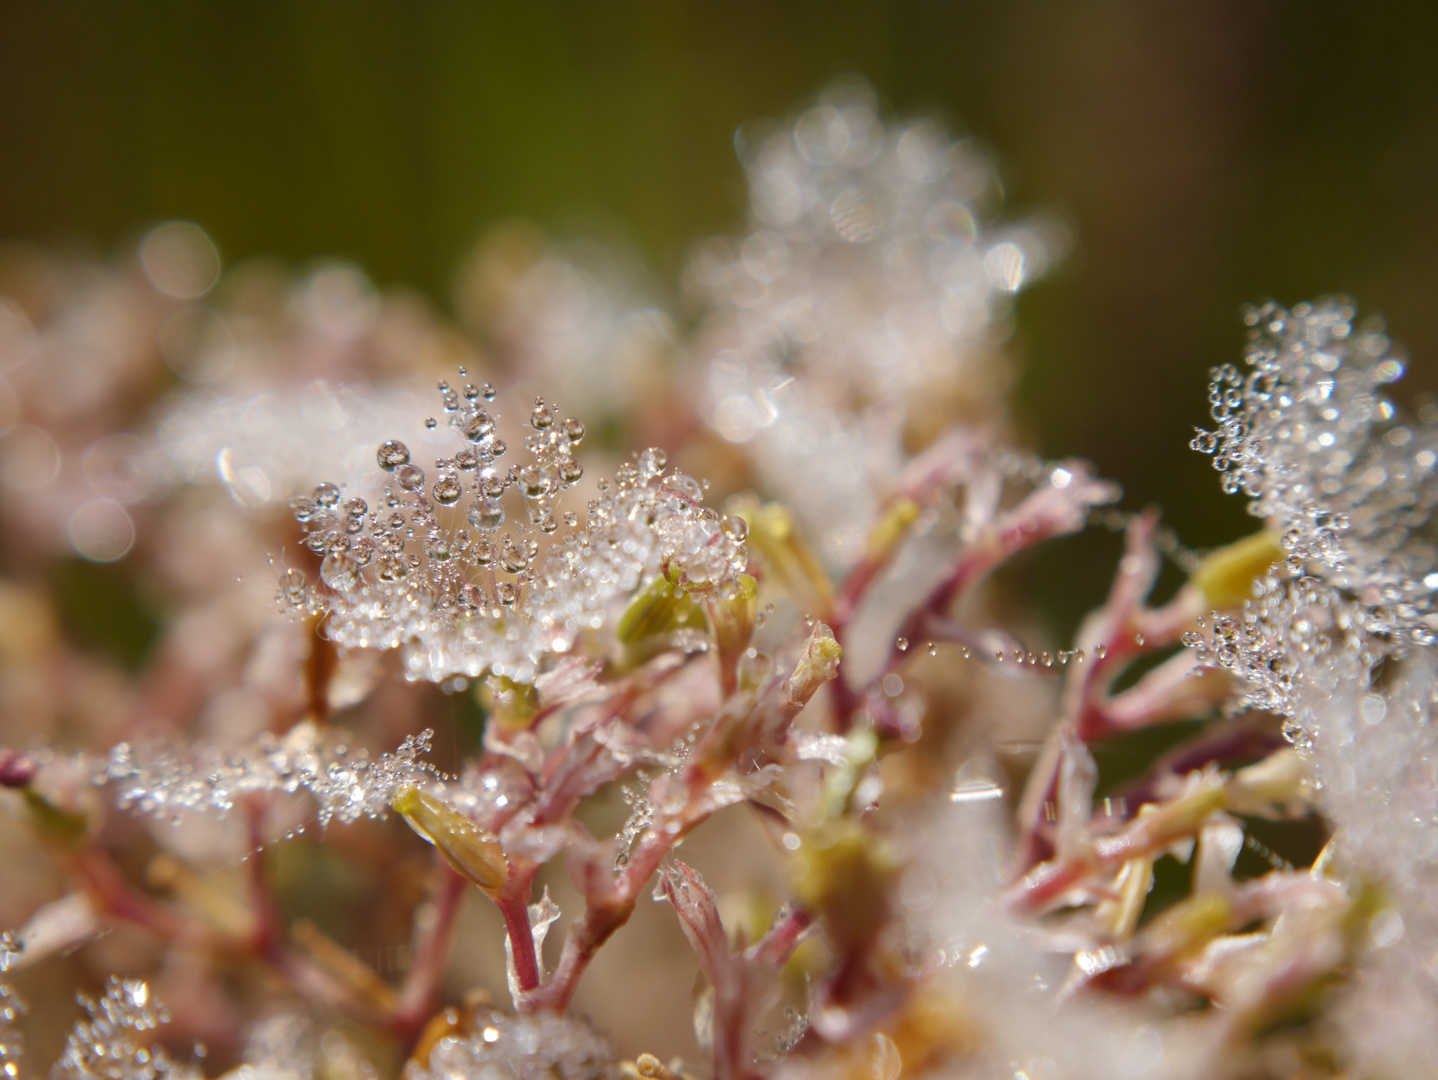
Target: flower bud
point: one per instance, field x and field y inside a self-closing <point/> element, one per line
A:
<point x="660" y="608"/>
<point x="1225" y="577"/>
<point x="732" y="617"/>
<point x="818" y="664"/>
<point x="472" y="850"/>
<point x="511" y="704"/>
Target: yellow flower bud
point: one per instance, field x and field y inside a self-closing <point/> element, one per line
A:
<point x="1226" y="576"/>
<point x="472" y="850"/>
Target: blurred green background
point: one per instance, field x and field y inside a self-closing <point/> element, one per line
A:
<point x="1206" y="154"/>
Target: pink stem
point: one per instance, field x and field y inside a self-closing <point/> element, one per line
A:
<point x="421" y="986"/>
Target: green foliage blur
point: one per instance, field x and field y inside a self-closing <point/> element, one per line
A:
<point x="1205" y="155"/>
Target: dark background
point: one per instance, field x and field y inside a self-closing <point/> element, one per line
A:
<point x="1206" y="154"/>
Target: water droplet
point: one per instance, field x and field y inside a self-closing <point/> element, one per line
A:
<point x="294" y="586"/>
<point x="570" y="471"/>
<point x="933" y="649"/>
<point x="410" y="477"/>
<point x="533" y="482"/>
<point x="902" y="644"/>
<point x="541" y="418"/>
<point x="573" y="430"/>
<point x="487" y="391"/>
<point x="487" y="514"/>
<point x="1100" y="651"/>
<point x="505" y="593"/>
<point x="478" y="427"/>
<point x="431" y="423"/>
<point x="447" y="489"/>
<point x="391" y="455"/>
<point x="735" y="527"/>
<point x="326" y="495"/>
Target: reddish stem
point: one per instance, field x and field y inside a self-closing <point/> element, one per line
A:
<point x="421" y="986"/>
<point x="515" y="911"/>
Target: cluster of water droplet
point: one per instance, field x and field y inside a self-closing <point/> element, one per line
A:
<point x="346" y="783"/>
<point x="1338" y="637"/>
<point x="435" y="572"/>
<point x="537" y="1046"/>
<point x="12" y="1010"/>
<point x="1332" y="464"/>
<point x="1348" y="481"/>
<point x="113" y="1042"/>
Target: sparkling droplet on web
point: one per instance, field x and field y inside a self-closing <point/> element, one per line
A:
<point x="431" y="423"/>
<point x="484" y="552"/>
<point x="326" y="495"/>
<point x="1047" y="659"/>
<point x="1100" y="651"/>
<point x="571" y="518"/>
<point x="447" y="489"/>
<point x="467" y="460"/>
<point x="356" y="507"/>
<point x="902" y="644"/>
<point x="391" y="455"/>
<point x="487" y="391"/>
<point x="505" y="593"/>
<point x="487" y="514"/>
<point x="410" y="477"/>
<point x="470" y="391"/>
<point x="573" y="430"/>
<point x="496" y="447"/>
<point x="541" y="418"/>
<point x="547" y="524"/>
<point x="570" y="471"/>
<point x="933" y="649"/>
<point x="1138" y="639"/>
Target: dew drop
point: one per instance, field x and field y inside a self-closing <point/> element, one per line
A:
<point x="902" y="644"/>
<point x="570" y="471"/>
<point x="447" y="489"/>
<point x="391" y="455"/>
<point x="294" y="586"/>
<point x="487" y="514"/>
<point x="410" y="477"/>
<point x="573" y="430"/>
<point x="479" y="427"/>
<point x="487" y="392"/>
<point x="735" y="527"/>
